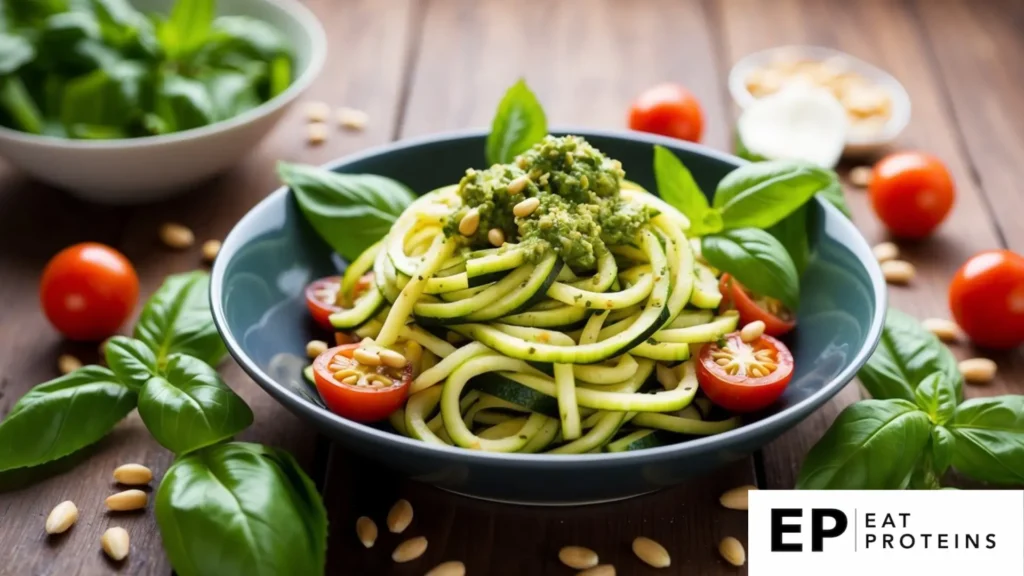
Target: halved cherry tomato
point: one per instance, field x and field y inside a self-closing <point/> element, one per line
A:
<point x="356" y="391"/>
<point x="88" y="290"/>
<point x="987" y="298"/>
<point x="322" y="299"/>
<point x="777" y="319"/>
<point x="744" y="377"/>
<point x="669" y="110"/>
<point x="911" y="192"/>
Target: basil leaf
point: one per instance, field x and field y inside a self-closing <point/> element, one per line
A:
<point x="231" y="93"/>
<point x="989" y="436"/>
<point x="518" y="124"/>
<point x="104" y="97"/>
<point x="937" y="397"/>
<point x="18" y="104"/>
<point x="791" y="232"/>
<point x="905" y="356"/>
<point x="15" y="52"/>
<point x="677" y="187"/>
<point x="184" y="103"/>
<point x="241" y="508"/>
<point x="190" y="407"/>
<point x="872" y="445"/>
<point x="127" y="29"/>
<point x="62" y="416"/>
<point x="943" y="446"/>
<point x="191" y="20"/>
<point x="248" y="36"/>
<point x="349" y="211"/>
<point x="833" y="194"/>
<point x="177" y="319"/>
<point x="756" y="260"/>
<point x="761" y="194"/>
<point x="131" y="360"/>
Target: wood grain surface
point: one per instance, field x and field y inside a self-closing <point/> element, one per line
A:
<point x="419" y="67"/>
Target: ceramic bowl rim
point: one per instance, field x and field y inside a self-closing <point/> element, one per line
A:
<point x="796" y="413"/>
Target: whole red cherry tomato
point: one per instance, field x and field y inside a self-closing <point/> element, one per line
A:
<point x="669" y="110"/>
<point x="912" y="193"/>
<point x="986" y="297"/>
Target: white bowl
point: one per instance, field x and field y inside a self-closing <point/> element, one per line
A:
<point x="138" y="170"/>
<point x="856" y="144"/>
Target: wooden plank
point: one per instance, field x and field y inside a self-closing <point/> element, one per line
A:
<point x="38" y="222"/>
<point x="586" y="61"/>
<point x="884" y="33"/>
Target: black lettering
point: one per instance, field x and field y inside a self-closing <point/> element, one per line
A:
<point x="869" y="539"/>
<point x="903" y="541"/>
<point x="904" y="515"/>
<point x="973" y="541"/>
<point x="888" y="522"/>
<point x="869" y="520"/>
<point x="943" y="541"/>
<point x="818" y="531"/>
<point x="991" y="539"/>
<point x="925" y="537"/>
<point x="886" y="540"/>
<point x="779" y="528"/>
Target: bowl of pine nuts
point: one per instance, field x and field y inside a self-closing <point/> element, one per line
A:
<point x="877" y="105"/>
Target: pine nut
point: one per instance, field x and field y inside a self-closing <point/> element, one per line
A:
<point x="127" y="500"/>
<point x="366" y="531"/>
<point x="176" y="236"/>
<point x="731" y="549"/>
<point x="945" y="330"/>
<point x="350" y="380"/>
<point x="352" y="119"/>
<point x="516" y="186"/>
<point x="410" y="550"/>
<point x="752" y="331"/>
<point x="210" y="250"/>
<point x="66" y="363"/>
<point x="62" y="517"/>
<point x="392" y="359"/>
<point x="886" y="251"/>
<point x="978" y="370"/>
<point x="578" y="557"/>
<point x="860" y="176"/>
<point x="133" y="474"/>
<point x="602" y="570"/>
<point x="400" y="516"/>
<point x="115" y="543"/>
<point x="317" y="111"/>
<point x="450" y="568"/>
<point x="898" y="271"/>
<point x="366" y="357"/>
<point x="526" y="207"/>
<point x="316" y="133"/>
<point x="496" y="237"/>
<point x="737" y="498"/>
<point x="346" y="373"/>
<point x="315" y="348"/>
<point x="651" y="552"/>
<point x="469" y="223"/>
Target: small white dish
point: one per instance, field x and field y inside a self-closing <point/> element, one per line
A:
<point x="856" y="143"/>
<point x="139" y="170"/>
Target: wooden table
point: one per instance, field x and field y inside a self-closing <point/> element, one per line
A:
<point x="420" y="67"/>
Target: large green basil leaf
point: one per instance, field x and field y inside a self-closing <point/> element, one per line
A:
<point x="760" y="194"/>
<point x="757" y="260"/>
<point x="872" y="445"/>
<point x="131" y="361"/>
<point x="942" y="446"/>
<point x="989" y="436"/>
<point x="231" y="93"/>
<point x="177" y="319"/>
<point x="677" y="187"/>
<point x="18" y="104"/>
<point x="905" y="356"/>
<point x="936" y="395"/>
<point x="184" y="103"/>
<point x="791" y="232"/>
<point x="246" y="36"/>
<point x="191" y="21"/>
<point x="189" y="407"/>
<point x="62" y="416"/>
<point x="107" y="97"/>
<point x="15" y="52"/>
<point x="241" y="509"/>
<point x="350" y="211"/>
<point x="518" y="124"/>
<point x="127" y="29"/>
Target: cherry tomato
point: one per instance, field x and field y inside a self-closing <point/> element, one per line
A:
<point x="911" y="192"/>
<point x="744" y="377"/>
<point x="373" y="393"/>
<point x="987" y="298"/>
<point x="88" y="290"/>
<point x="777" y="319"/>
<point x="322" y="299"/>
<point x="669" y="110"/>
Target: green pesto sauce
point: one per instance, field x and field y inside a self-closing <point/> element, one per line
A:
<point x="581" y="212"/>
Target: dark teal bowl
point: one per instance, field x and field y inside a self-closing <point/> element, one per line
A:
<point x="266" y="261"/>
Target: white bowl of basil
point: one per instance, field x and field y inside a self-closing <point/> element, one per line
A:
<point x="126" y="102"/>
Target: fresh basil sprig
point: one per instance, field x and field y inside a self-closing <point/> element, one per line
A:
<point x="131" y="361"/>
<point x="757" y="260"/>
<point x="518" y="124"/>
<point x="176" y="320"/>
<point x="760" y="195"/>
<point x="677" y="187"/>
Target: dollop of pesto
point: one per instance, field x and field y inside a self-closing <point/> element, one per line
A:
<point x="581" y="211"/>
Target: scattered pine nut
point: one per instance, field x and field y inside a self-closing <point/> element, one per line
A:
<point x="115" y="543"/>
<point x="469" y="223"/>
<point x="317" y="111"/>
<point x="210" y="250"/>
<point x="62" y="517"/>
<point x="752" y="331"/>
<point x="392" y="359"/>
<point x="602" y="570"/>
<point x="737" y="498"/>
<point x="316" y="133"/>
<point x="731" y="549"/>
<point x="578" y="557"/>
<point x="898" y="271"/>
<point x="315" y="348"/>
<point x="410" y="550"/>
<point x="133" y="474"/>
<point x="978" y="370"/>
<point x="176" y="236"/>
<point x="886" y="251"/>
<point x="352" y="119"/>
<point x="526" y="207"/>
<point x="860" y="176"/>
<point x="652" y="553"/>
<point x="366" y="357"/>
<point x="450" y="568"/>
<point x="127" y="500"/>
<point x="496" y="237"/>
<point x="945" y="330"/>
<point x="366" y="530"/>
<point x="66" y="363"/>
<point x="400" y="516"/>
<point x="516" y="186"/>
